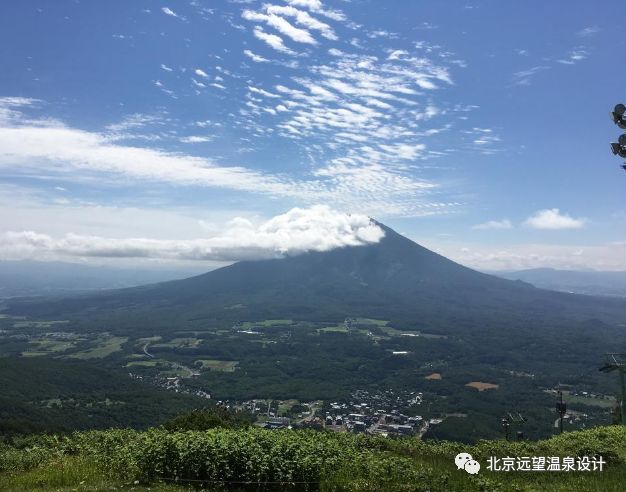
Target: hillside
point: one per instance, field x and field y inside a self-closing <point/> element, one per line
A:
<point x="49" y="395"/>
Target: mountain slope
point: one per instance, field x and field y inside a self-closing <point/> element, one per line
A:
<point x="395" y="278"/>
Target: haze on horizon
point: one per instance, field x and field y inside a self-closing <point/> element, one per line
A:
<point x="164" y="133"/>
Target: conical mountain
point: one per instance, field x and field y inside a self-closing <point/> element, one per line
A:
<point x="395" y="278"/>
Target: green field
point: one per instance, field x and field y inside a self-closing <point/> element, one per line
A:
<point x="592" y="402"/>
<point x="103" y="348"/>
<point x="47" y="346"/>
<point x="371" y="321"/>
<point x="247" y="325"/>
<point x="39" y="324"/>
<point x="187" y="342"/>
<point x="143" y="363"/>
<point x="217" y="365"/>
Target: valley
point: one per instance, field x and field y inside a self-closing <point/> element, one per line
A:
<point x="295" y="363"/>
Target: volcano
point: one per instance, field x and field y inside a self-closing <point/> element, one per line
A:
<point x="394" y="278"/>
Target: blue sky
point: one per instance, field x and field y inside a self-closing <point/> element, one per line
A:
<point x="149" y="131"/>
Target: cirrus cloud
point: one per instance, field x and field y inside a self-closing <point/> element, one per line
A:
<point x="494" y="224"/>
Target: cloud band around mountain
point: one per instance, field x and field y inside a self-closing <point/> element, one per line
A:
<point x="318" y="228"/>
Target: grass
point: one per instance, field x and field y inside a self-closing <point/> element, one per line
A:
<point x="104" y="347"/>
<point x="592" y="402"/>
<point x="267" y="323"/>
<point x="128" y="460"/>
<point x="334" y="329"/>
<point x="371" y="321"/>
<point x="143" y="363"/>
<point x="188" y="342"/>
<point x="45" y="346"/>
<point x="217" y="365"/>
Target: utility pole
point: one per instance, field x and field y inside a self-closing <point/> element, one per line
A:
<point x="505" y="425"/>
<point x="617" y="362"/>
<point x="561" y="409"/>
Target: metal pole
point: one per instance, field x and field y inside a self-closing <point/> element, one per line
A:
<point x="621" y="405"/>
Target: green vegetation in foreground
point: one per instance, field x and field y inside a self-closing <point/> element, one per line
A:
<point x="99" y="460"/>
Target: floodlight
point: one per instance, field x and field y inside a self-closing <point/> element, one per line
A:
<point x="618" y="149"/>
<point x="617" y="115"/>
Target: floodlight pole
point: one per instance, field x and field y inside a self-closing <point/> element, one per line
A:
<point x="617" y="362"/>
<point x="561" y="409"/>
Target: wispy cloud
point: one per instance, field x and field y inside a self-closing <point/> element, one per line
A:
<point x="317" y="7"/>
<point x="588" y="31"/>
<point x="171" y="13"/>
<point x="254" y="57"/>
<point x="494" y="225"/>
<point x="31" y="147"/>
<point x="574" y="56"/>
<point x="272" y="40"/>
<point x="524" y="77"/>
<point x="281" y="25"/>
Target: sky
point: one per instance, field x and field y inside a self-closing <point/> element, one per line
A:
<point x="195" y="131"/>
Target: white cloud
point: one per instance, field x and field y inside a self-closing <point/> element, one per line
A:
<point x="281" y="25"/>
<point x="262" y="92"/>
<point x="553" y="219"/>
<point x="574" y="56"/>
<point x="170" y="12"/>
<point x="317" y="7"/>
<point x="196" y="139"/>
<point x="135" y="121"/>
<point x="201" y="73"/>
<point x="272" y="40"/>
<point x="318" y="228"/>
<point x="524" y="77"/>
<point x="166" y="68"/>
<point x="50" y="150"/>
<point x="304" y="19"/>
<point x="588" y="31"/>
<point x="605" y="257"/>
<point x="494" y="224"/>
<point x="254" y="57"/>
<point x="65" y="151"/>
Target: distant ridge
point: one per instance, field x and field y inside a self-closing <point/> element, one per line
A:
<point x="580" y="282"/>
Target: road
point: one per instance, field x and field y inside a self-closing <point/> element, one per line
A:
<point x="145" y="350"/>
